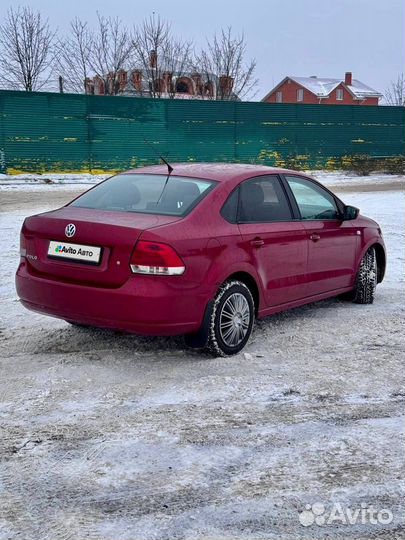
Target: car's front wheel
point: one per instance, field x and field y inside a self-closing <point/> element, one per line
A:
<point x="366" y="280"/>
<point x="232" y="319"/>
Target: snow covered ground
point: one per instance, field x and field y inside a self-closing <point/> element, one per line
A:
<point x="72" y="181"/>
<point x="66" y="179"/>
<point x="108" y="436"/>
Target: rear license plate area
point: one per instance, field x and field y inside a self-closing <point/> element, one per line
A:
<point x="78" y="253"/>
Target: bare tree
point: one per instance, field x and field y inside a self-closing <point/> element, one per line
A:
<point x="177" y="63"/>
<point x="160" y="56"/>
<point x="25" y="49"/>
<point x="223" y="64"/>
<point x="395" y="93"/>
<point x="110" y="52"/>
<point x="72" y="56"/>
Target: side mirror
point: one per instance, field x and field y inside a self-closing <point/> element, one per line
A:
<point x="350" y="212"/>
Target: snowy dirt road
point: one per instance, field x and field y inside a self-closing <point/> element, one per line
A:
<point x="107" y="436"/>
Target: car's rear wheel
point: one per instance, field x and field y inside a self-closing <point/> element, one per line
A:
<point x="232" y="319"/>
<point x="366" y="280"/>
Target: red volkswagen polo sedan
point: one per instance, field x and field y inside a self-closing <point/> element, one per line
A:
<point x="201" y="251"/>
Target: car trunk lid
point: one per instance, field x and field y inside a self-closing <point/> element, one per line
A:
<point x="115" y="233"/>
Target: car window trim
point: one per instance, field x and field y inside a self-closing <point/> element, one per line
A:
<point x="339" y="204"/>
<point x="261" y="176"/>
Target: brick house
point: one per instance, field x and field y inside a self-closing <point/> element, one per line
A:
<point x="162" y="80"/>
<point x="319" y="90"/>
<point x="167" y="84"/>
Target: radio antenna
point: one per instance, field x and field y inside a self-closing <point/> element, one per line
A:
<point x="169" y="170"/>
<point x="169" y="167"/>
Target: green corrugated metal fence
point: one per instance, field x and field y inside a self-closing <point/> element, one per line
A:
<point x="68" y="132"/>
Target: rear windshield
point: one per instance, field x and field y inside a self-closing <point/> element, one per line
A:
<point x="147" y="194"/>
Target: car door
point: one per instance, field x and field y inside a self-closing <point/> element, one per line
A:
<point x="275" y="241"/>
<point x="332" y="242"/>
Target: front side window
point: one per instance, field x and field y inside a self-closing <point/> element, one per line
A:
<point x="339" y="94"/>
<point x="147" y="194"/>
<point x="300" y="94"/>
<point x="279" y="97"/>
<point x="313" y="201"/>
<point x="263" y="200"/>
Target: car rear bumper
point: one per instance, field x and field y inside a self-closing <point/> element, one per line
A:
<point x="146" y="305"/>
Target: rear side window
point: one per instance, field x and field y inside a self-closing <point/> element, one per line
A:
<point x="313" y="201"/>
<point x="230" y="209"/>
<point x="147" y="194"/>
<point x="263" y="200"/>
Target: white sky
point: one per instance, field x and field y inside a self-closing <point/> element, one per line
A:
<point x="287" y="37"/>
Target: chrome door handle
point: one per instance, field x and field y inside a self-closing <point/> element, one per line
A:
<point x="315" y="237"/>
<point x="257" y="242"/>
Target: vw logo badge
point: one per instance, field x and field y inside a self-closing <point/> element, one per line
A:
<point x="70" y="230"/>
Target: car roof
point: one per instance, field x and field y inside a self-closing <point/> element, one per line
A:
<point x="221" y="172"/>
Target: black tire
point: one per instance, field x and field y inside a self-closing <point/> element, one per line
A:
<point x="366" y="280"/>
<point x="230" y="331"/>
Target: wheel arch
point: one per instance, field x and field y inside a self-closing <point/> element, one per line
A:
<point x="381" y="261"/>
<point x="380" y="257"/>
<point x="199" y="339"/>
<point x="251" y="283"/>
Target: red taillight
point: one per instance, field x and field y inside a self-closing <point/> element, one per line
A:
<point x="157" y="259"/>
<point x="23" y="246"/>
